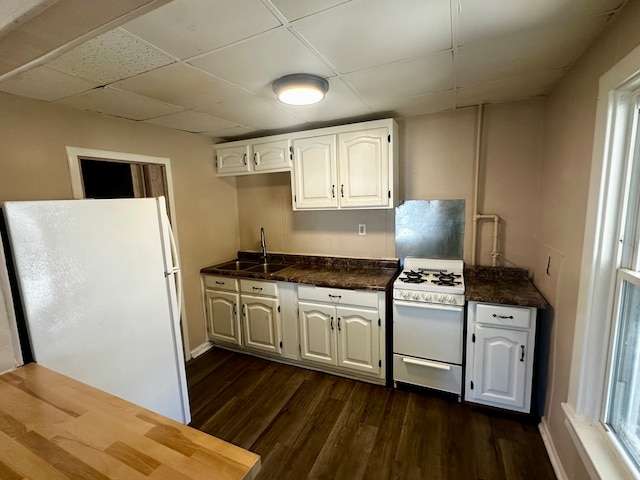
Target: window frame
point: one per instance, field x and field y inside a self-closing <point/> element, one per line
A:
<point x="585" y="411"/>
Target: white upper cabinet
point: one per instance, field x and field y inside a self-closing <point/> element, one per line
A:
<point x="316" y="179"/>
<point x="345" y="167"/>
<point x="364" y="168"/>
<point x="356" y="167"/>
<point x="253" y="156"/>
<point x="233" y="160"/>
<point x="272" y="156"/>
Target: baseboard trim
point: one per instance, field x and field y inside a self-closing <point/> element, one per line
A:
<point x="547" y="439"/>
<point x="200" y="349"/>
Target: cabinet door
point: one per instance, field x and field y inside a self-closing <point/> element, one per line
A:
<point x="314" y="173"/>
<point x="317" y="327"/>
<point x="259" y="317"/>
<point x="233" y="160"/>
<point x="358" y="339"/>
<point x="364" y="168"/>
<point x="271" y="156"/>
<point x="500" y="365"/>
<point x="222" y="316"/>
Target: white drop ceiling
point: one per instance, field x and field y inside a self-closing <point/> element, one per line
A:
<point x="206" y="66"/>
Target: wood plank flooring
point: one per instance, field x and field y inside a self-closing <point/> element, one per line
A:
<point x="310" y="425"/>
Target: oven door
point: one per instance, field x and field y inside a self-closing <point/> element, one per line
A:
<point x="428" y="331"/>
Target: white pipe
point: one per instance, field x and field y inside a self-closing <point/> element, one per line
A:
<point x="476" y="182"/>
<point x="495" y="254"/>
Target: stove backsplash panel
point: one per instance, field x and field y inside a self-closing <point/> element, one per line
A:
<point x="430" y="229"/>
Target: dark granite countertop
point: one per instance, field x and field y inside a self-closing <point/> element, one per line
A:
<point x="336" y="272"/>
<point x="502" y="285"/>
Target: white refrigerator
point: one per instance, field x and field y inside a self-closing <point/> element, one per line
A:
<point x="98" y="282"/>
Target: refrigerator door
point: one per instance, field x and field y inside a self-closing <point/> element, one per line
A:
<point x="99" y="302"/>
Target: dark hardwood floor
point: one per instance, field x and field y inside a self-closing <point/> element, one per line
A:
<point x="307" y="425"/>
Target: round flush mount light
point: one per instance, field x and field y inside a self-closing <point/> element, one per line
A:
<point x="300" y="88"/>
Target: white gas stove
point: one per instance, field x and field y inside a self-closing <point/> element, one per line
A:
<point x="428" y="317"/>
<point x="431" y="281"/>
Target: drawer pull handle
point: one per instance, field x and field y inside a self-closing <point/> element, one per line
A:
<point x="219" y="283"/>
<point x="335" y="296"/>
<point x="503" y="316"/>
<point x="425" y="363"/>
<point x="259" y="289"/>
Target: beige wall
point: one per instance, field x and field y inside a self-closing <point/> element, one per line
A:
<point x="564" y="180"/>
<point x="437" y="155"/>
<point x="33" y="166"/>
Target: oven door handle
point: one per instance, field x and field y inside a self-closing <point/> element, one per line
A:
<point x="435" y="306"/>
<point x="426" y="363"/>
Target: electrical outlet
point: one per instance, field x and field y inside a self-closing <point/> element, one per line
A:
<point x="362" y="229"/>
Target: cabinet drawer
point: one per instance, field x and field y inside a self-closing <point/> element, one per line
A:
<point x="257" y="287"/>
<point x="221" y="283"/>
<point x="504" y="316"/>
<point x="425" y="373"/>
<point x="338" y="296"/>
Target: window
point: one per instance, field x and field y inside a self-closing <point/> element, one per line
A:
<point x="622" y="400"/>
<point x="603" y="406"/>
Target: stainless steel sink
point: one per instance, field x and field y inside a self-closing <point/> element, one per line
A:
<point x="237" y="265"/>
<point x="267" y="267"/>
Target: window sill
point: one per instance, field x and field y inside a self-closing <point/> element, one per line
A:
<point x="595" y="447"/>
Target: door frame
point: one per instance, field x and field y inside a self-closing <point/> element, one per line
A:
<point x="75" y="154"/>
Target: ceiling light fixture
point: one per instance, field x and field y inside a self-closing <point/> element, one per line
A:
<point x="300" y="88"/>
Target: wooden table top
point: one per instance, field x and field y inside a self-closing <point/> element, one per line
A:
<point x="53" y="427"/>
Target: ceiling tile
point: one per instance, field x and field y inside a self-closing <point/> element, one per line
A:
<point x="256" y="112"/>
<point x="109" y="57"/>
<point x="181" y="85"/>
<point x="419" y="105"/>
<point x="191" y="121"/>
<point x="119" y="103"/>
<point x="229" y="133"/>
<point x="550" y="47"/>
<point x="496" y="18"/>
<point x="508" y="89"/>
<point x="257" y="62"/>
<point x="45" y="84"/>
<point x="295" y="9"/>
<point x="185" y="28"/>
<point x="404" y="79"/>
<point x="361" y="33"/>
<point x="340" y="103"/>
<point x="15" y="12"/>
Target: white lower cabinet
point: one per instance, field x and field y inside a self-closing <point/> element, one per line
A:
<point x="500" y="354"/>
<point x="260" y="315"/>
<point x="329" y="329"/>
<point x="221" y="302"/>
<point x="349" y="337"/>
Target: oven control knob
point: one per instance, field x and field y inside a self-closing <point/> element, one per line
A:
<point x="415" y="295"/>
<point x="427" y="297"/>
<point x="439" y="298"/>
<point x="450" y="299"/>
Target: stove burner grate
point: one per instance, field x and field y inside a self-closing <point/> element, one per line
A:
<point x="413" y="279"/>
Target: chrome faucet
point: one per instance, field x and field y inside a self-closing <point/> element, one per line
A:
<point x="263" y="246"/>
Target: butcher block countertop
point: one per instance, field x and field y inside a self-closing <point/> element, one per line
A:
<point x="336" y="272"/>
<point x="502" y="285"/>
<point x="53" y="427"/>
